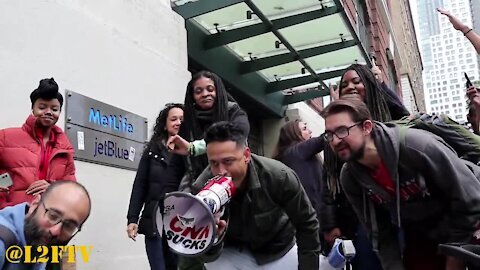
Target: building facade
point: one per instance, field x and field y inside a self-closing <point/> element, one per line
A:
<point x="447" y="55"/>
<point x="409" y="62"/>
<point x="138" y="64"/>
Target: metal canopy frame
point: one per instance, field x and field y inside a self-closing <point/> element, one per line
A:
<point x="250" y="75"/>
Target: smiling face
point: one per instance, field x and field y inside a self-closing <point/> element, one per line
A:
<point x="351" y="144"/>
<point x="204" y="93"/>
<point x="173" y="121"/>
<point x="352" y="84"/>
<point x="46" y="111"/>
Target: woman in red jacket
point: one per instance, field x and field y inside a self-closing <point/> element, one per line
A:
<point x="38" y="153"/>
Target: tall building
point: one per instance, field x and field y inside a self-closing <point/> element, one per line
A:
<point x="475" y="6"/>
<point x="446" y="55"/>
<point x="408" y="57"/>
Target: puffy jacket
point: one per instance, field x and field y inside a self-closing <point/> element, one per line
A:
<point x="20" y="157"/>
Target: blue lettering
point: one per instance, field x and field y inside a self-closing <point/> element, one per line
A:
<point x="110" y="149"/>
<point x="123" y="124"/>
<point x="117" y="123"/>
<point x="95" y="151"/>
<point x="104" y="121"/>
<point x="100" y="149"/>
<point x="94" y="116"/>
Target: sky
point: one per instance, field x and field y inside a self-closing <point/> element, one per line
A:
<point x="413" y="7"/>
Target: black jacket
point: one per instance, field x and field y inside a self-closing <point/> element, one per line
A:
<point x="301" y="157"/>
<point x="395" y="105"/>
<point x="273" y="213"/>
<point x="149" y="188"/>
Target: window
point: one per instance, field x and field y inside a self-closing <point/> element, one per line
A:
<point x="456" y="98"/>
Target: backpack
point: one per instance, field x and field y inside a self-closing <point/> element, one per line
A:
<point x="465" y="143"/>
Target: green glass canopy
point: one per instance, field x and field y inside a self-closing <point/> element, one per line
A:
<point x="272" y="52"/>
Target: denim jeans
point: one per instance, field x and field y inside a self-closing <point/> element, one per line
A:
<point x="155" y="253"/>
<point x="365" y="257"/>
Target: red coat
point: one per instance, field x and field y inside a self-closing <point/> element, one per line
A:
<point x="20" y="157"/>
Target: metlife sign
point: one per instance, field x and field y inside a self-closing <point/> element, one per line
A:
<point x="104" y="134"/>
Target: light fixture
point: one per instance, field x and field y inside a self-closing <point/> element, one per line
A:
<point x="277" y="44"/>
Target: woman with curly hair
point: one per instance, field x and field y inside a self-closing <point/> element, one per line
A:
<point x="150" y="186"/>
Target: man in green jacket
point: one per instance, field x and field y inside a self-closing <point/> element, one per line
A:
<point x="271" y="220"/>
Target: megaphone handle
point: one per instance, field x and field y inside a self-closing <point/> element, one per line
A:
<point x="222" y="213"/>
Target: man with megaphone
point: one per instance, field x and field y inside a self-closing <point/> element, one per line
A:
<point x="271" y="222"/>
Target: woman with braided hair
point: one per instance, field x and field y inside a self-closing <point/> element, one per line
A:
<point x="338" y="218"/>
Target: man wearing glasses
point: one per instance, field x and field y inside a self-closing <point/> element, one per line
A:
<point x="407" y="186"/>
<point x="52" y="219"/>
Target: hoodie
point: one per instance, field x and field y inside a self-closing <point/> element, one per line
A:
<point x="436" y="192"/>
<point x="13" y="218"/>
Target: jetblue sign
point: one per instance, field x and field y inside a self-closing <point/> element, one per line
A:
<point x="98" y="147"/>
<point x="104" y="134"/>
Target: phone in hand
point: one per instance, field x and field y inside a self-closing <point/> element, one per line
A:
<point x="5" y="180"/>
<point x="469" y="83"/>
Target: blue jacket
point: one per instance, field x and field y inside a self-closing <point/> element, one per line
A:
<point x="13" y="217"/>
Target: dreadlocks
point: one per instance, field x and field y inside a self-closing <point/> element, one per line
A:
<point x="191" y="129"/>
<point x="375" y="97"/>
<point x="377" y="104"/>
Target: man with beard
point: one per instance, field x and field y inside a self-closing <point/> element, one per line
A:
<point x="407" y="186"/>
<point x="50" y="220"/>
<point x="38" y="153"/>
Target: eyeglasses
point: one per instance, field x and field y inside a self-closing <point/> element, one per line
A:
<point x="340" y="132"/>
<point x="54" y="218"/>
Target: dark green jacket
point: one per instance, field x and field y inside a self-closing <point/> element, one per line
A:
<point x="276" y="210"/>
